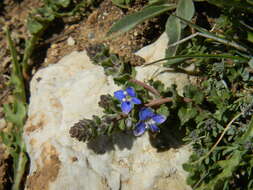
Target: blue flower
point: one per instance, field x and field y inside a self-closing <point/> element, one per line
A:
<point x="148" y="120"/>
<point x="127" y="98"/>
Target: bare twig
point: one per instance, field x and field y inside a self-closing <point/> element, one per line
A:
<point x="160" y="101"/>
<point x="144" y="85"/>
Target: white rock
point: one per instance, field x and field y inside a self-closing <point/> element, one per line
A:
<point x="154" y="52"/>
<point x="70" y="41"/>
<point x="68" y="91"/>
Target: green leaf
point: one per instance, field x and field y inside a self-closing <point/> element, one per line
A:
<point x="16" y="114"/>
<point x="250" y="36"/>
<point x="221" y="56"/>
<point x="186" y="113"/>
<point x="130" y="21"/>
<point x="163" y="110"/>
<point x="207" y="34"/>
<point x="122" y="125"/>
<point x="248" y="134"/>
<point x="7" y="138"/>
<point x="122" y="3"/>
<point x="34" y="26"/>
<point x="251" y="63"/>
<point x="63" y="3"/>
<point x="185" y="9"/>
<point x="194" y="93"/>
<point x="173" y="31"/>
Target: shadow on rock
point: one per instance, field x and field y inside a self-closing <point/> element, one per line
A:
<point x="103" y="144"/>
<point x="170" y="136"/>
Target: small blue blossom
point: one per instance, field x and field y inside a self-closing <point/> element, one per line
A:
<point x="148" y="120"/>
<point x="127" y="98"/>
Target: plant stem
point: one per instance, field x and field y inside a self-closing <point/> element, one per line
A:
<point x="30" y="45"/>
<point x="144" y="85"/>
<point x="16" y="71"/>
<point x="220" y="138"/>
<point x="19" y="173"/>
<point x="160" y="101"/>
<point x="19" y="156"/>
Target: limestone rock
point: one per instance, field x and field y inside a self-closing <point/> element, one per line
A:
<point x="68" y="91"/>
<point x="154" y="52"/>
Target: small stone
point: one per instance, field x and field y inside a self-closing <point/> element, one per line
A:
<point x="70" y="41"/>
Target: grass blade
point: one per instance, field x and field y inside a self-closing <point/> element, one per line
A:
<point x="220" y="56"/>
<point x="210" y="35"/>
<point x="130" y="21"/>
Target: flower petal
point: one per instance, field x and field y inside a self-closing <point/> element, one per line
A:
<point x="154" y="128"/>
<point x="159" y="118"/>
<point x="119" y="95"/>
<point x="139" y="129"/>
<point x="136" y="100"/>
<point x="145" y="113"/>
<point x="130" y="91"/>
<point x="126" y="107"/>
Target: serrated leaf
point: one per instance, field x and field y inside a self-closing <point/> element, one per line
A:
<point x="194" y="93"/>
<point x="16" y="114"/>
<point x="6" y="138"/>
<point x="186" y="113"/>
<point x="130" y="21"/>
<point x="34" y="26"/>
<point x="163" y="110"/>
<point x="228" y="167"/>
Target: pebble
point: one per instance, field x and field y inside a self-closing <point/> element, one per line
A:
<point x="70" y="41"/>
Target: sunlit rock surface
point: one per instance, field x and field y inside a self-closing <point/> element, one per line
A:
<point x="68" y="91"/>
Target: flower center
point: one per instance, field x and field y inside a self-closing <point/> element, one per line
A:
<point x="127" y="98"/>
<point x="149" y="122"/>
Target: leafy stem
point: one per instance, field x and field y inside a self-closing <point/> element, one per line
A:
<point x="220" y="138"/>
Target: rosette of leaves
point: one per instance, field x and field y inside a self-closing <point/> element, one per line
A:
<point x="113" y="65"/>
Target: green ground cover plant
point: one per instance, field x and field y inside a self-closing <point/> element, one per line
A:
<point x="215" y="113"/>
